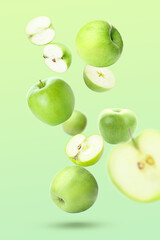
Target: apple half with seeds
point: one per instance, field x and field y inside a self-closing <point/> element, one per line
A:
<point x="40" y="30"/>
<point x="134" y="167"/>
<point x="98" y="79"/>
<point x="85" y="151"/>
<point x="57" y="57"/>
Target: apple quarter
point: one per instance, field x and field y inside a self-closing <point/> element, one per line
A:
<point x="40" y="31"/>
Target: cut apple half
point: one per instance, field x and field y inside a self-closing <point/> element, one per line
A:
<point x="85" y="151"/>
<point x="135" y="167"/>
<point x="40" y="31"/>
<point x="98" y="79"/>
<point x="57" y="57"/>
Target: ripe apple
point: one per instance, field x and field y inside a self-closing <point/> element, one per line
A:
<point x="134" y="167"/>
<point x="116" y="124"/>
<point x="99" y="43"/>
<point x="51" y="100"/>
<point x="74" y="189"/>
<point x="40" y="30"/>
<point x="57" y="57"/>
<point x="85" y="151"/>
<point x="98" y="79"/>
<point x="75" y="124"/>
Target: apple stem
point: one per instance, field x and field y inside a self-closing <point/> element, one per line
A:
<point x="132" y="138"/>
<point x="41" y="83"/>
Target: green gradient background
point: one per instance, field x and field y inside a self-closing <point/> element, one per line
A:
<point x="32" y="152"/>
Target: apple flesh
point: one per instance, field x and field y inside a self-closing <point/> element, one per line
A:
<point x="57" y="57"/>
<point x="134" y="167"/>
<point x="51" y="100"/>
<point x="98" y="79"/>
<point x="85" y="151"/>
<point x="75" y="124"/>
<point x="74" y="189"/>
<point x="99" y="44"/>
<point x="117" y="124"/>
<point x="40" y="31"/>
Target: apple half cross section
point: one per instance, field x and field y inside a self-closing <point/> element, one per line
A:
<point x="85" y="151"/>
<point x="40" y="31"/>
<point x="98" y="79"/>
<point x="135" y="167"/>
<point x="57" y="57"/>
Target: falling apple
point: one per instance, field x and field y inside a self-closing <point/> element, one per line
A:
<point x="98" y="79"/>
<point x="57" y="57"/>
<point x="134" y="167"/>
<point x="99" y="43"/>
<point x="115" y="123"/>
<point x="74" y="189"/>
<point x="51" y="100"/>
<point x="75" y="124"/>
<point x="85" y="151"/>
<point x="40" y="30"/>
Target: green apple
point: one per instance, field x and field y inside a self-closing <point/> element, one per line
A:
<point x="74" y="189"/>
<point x="40" y="30"/>
<point x="134" y="167"/>
<point x="116" y="124"/>
<point x="85" y="151"/>
<point x="57" y="57"/>
<point x="75" y="124"/>
<point x="51" y="100"/>
<point x="99" y="43"/>
<point x="98" y="79"/>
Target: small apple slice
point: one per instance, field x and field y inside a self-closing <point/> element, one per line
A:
<point x="135" y="167"/>
<point x="85" y="151"/>
<point x="57" y="57"/>
<point x="40" y="31"/>
<point x="99" y="79"/>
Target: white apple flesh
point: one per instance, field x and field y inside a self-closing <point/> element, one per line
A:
<point x="135" y="167"/>
<point x="98" y="79"/>
<point x="85" y="151"/>
<point x="40" y="31"/>
<point x="57" y="57"/>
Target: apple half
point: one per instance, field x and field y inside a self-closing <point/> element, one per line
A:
<point x="57" y="57"/>
<point x="40" y="30"/>
<point x="135" y="167"/>
<point x="99" y="79"/>
<point x="85" y="151"/>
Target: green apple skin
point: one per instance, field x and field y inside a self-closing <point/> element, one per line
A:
<point x="67" y="57"/>
<point x="92" y="85"/>
<point x="75" y="124"/>
<point x="74" y="189"/>
<point x="134" y="144"/>
<point x="87" y="163"/>
<point x="52" y="104"/>
<point x="114" y="125"/>
<point x="99" y="44"/>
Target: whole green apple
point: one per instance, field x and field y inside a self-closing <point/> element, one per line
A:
<point x="74" y="189"/>
<point x="116" y="124"/>
<point x="134" y="167"/>
<point x="75" y="124"/>
<point x="51" y="100"/>
<point x="99" y="44"/>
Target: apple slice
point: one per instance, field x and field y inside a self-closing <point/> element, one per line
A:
<point x="85" y="151"/>
<point x="135" y="167"/>
<point x="57" y="57"/>
<point x="99" y="79"/>
<point x="40" y="31"/>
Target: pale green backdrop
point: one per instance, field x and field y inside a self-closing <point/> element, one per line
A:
<point x="32" y="153"/>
